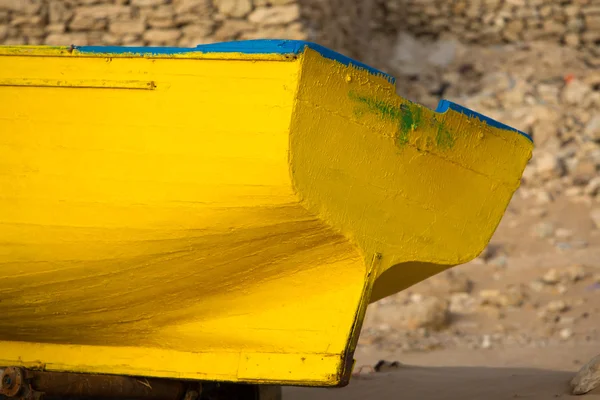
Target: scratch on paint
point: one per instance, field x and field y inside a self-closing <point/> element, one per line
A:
<point x="409" y="118"/>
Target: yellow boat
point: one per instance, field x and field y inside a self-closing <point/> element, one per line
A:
<point x="226" y="212"/>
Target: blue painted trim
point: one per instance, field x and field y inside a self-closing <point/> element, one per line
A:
<point x="445" y="105"/>
<point x="258" y="46"/>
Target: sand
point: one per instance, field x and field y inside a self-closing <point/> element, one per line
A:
<point x="512" y="373"/>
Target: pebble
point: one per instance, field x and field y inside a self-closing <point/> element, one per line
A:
<point x="595" y="216"/>
<point x="552" y="277"/>
<point x="565" y="333"/>
<point x="544" y="229"/>
<point x="576" y="272"/>
<point x="587" y="378"/>
<point x="557" y="306"/>
<point x="563" y="233"/>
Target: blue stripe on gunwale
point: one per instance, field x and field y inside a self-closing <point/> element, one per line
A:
<point x="277" y="46"/>
<point x="258" y="46"/>
<point x="445" y="105"/>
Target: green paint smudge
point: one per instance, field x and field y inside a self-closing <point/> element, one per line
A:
<point x="408" y="117"/>
<point x="443" y="137"/>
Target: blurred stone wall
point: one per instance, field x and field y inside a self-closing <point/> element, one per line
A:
<point x="572" y="22"/>
<point x="146" y="22"/>
<point x="351" y="26"/>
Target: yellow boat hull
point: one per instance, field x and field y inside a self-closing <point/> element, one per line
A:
<point x="225" y="214"/>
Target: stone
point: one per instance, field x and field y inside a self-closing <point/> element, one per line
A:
<point x="453" y="282"/>
<point x="548" y="165"/>
<point x="576" y="273"/>
<point x="3" y="32"/>
<point x="21" y="6"/>
<point x="418" y="312"/>
<point x="148" y="3"/>
<point x="386" y="366"/>
<point x="595" y="217"/>
<point x="162" y="36"/>
<point x="584" y="172"/>
<point x="572" y="39"/>
<point x="293" y="31"/>
<point x="551" y="277"/>
<point x="565" y="333"/>
<point x="557" y="306"/>
<point x="543" y="230"/>
<point x="275" y="15"/>
<point x="593" y="187"/>
<point x="587" y="378"/>
<point x="66" y="39"/>
<point x="575" y="92"/>
<point x="124" y="27"/>
<point x="58" y="12"/>
<point x="232" y="28"/>
<point x="100" y="11"/>
<point x="592" y="128"/>
<point x="162" y="23"/>
<point x="196" y="7"/>
<point x="262" y="3"/>
<point x="233" y="8"/>
<point x="592" y="22"/>
<point x="461" y="303"/>
<point x="443" y="53"/>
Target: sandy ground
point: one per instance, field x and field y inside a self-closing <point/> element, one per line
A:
<point x="462" y="374"/>
<point x="539" y="367"/>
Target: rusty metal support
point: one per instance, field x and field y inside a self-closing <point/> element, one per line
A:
<point x="23" y="384"/>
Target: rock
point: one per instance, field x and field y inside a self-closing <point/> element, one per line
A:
<point x="148" y="3"/>
<point x="294" y="31"/>
<point x="563" y="233"/>
<point x="572" y="39"/>
<point x="162" y="36"/>
<point x="430" y="313"/>
<point x="124" y="27"/>
<point x="565" y="333"/>
<point x="21" y="6"/>
<point x="592" y="128"/>
<point x="193" y="7"/>
<point x="588" y="377"/>
<point x="552" y="277"/>
<point x="486" y="342"/>
<point x="101" y="11"/>
<point x="576" y="272"/>
<point x="232" y="28"/>
<point x="584" y="172"/>
<point x="83" y="23"/>
<point x="543" y="230"/>
<point x="557" y="306"/>
<point x="385" y="366"/>
<point x="595" y="216"/>
<point x="536" y="286"/>
<point x="512" y="297"/>
<point x="501" y="261"/>
<point x="233" y="8"/>
<point x="453" y="282"/>
<point x="549" y="165"/>
<point x="575" y="92"/>
<point x="275" y="15"/>
<point x="462" y="303"/>
<point x="66" y="39"/>
<point x="443" y="53"/>
<point x="593" y="187"/>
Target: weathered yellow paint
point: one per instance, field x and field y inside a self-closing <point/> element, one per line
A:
<point x="230" y="220"/>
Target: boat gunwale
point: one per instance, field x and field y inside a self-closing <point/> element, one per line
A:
<point x="242" y="50"/>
